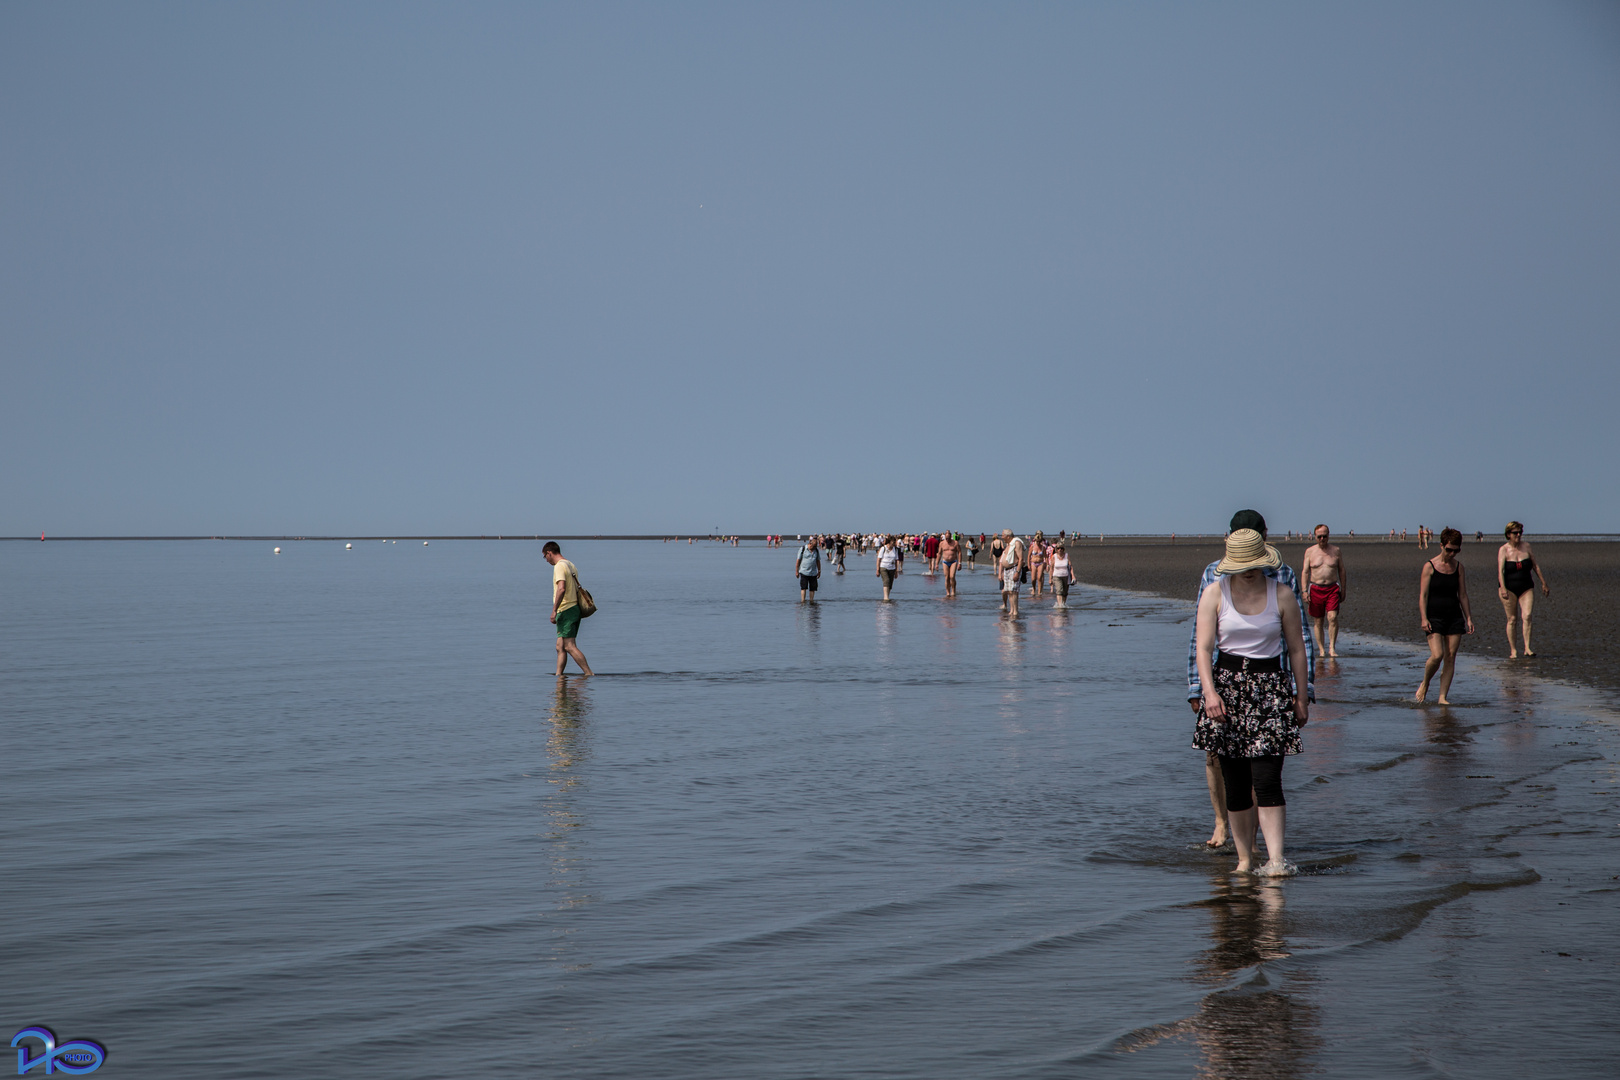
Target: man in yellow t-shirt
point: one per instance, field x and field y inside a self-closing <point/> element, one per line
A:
<point x="565" y="607"/>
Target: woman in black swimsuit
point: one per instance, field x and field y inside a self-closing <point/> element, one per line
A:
<point x="1516" y="585"/>
<point x="1443" y="607"/>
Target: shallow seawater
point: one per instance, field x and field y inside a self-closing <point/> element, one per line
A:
<point x="328" y="813"/>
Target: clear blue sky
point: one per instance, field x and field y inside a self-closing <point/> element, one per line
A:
<point x="372" y="268"/>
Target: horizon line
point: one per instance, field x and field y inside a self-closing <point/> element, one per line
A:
<point x="532" y="537"/>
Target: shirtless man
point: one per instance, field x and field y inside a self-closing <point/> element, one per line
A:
<point x="950" y="556"/>
<point x="1329" y="582"/>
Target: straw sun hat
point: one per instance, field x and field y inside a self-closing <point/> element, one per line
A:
<point x="1246" y="549"/>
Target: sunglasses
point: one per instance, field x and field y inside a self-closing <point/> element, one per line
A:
<point x="1451" y="550"/>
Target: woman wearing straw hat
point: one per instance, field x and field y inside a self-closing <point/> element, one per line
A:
<point x="1252" y="709"/>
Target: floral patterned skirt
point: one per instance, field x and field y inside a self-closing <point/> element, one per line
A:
<point x="1259" y="718"/>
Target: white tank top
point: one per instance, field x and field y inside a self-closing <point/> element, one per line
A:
<point x="1256" y="636"/>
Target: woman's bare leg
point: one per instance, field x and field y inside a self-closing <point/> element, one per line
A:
<point x="1217" y="797"/>
<point x="1437" y="645"/>
<point x="1453" y="641"/>
<point x="1526" y="603"/>
<point x="1242" y="826"/>
<point x="1272" y="820"/>
<point x="1510" y="608"/>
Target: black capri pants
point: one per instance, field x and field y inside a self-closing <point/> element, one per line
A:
<point x="1263" y="774"/>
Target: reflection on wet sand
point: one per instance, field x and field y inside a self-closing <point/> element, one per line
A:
<point x="1055" y="623"/>
<point x="568" y="747"/>
<point x="570" y="705"/>
<point x="1520" y="697"/>
<point x="1444" y="729"/>
<point x="809" y="626"/>
<point x="887" y="621"/>
<point x="1444" y="772"/>
<point x="1010" y="650"/>
<point x="1263" y="1029"/>
<point x="1010" y="635"/>
<point x="949" y="635"/>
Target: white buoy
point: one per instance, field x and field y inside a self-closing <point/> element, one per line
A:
<point x="278" y="551"/>
<point x="424" y="543"/>
<point x="348" y="547"/>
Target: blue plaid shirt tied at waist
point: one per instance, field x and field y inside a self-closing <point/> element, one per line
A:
<point x="1284" y="575"/>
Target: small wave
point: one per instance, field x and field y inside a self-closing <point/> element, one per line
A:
<point x="1408" y="917"/>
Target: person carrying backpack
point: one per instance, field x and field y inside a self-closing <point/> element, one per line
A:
<point x="808" y="567"/>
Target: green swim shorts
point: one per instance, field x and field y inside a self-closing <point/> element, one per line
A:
<point x="568" y="622"/>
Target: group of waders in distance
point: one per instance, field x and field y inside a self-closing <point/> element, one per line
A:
<point x="1035" y="561"/>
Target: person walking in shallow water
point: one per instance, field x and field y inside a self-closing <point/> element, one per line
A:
<point x="1037" y="565"/>
<point x="888" y="564"/>
<point x="1243" y="519"/>
<point x="950" y="556"/>
<point x="1062" y="575"/>
<point x="1252" y="709"/>
<point x="1514" y="565"/>
<point x="1011" y="566"/>
<point x="1443" y="607"/>
<point x="808" y="567"/>
<point x="1325" y="575"/>
<point x="565" y="610"/>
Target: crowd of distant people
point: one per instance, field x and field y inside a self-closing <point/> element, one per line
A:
<point x="1041" y="564"/>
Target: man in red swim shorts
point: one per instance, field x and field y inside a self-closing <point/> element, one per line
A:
<point x="1328" y="580"/>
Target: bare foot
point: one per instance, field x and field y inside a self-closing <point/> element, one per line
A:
<point x="1513" y="656"/>
<point x="1527" y="652"/>
<point x="1423" y="692"/>
<point x="1244" y="867"/>
<point x="1444" y="700"/>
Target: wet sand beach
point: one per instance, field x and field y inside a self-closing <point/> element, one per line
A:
<point x="1576" y="632"/>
